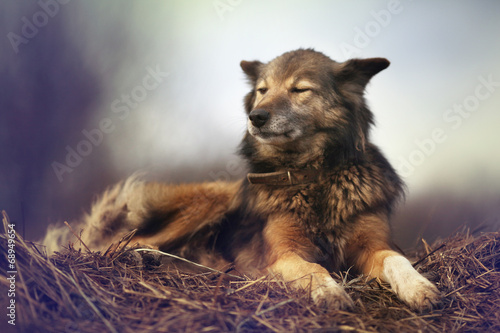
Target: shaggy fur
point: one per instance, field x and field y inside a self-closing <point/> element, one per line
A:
<point x="305" y="112"/>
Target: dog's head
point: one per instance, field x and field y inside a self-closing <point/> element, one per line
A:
<point x="303" y="94"/>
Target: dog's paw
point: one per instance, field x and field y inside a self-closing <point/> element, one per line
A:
<point x="411" y="287"/>
<point x="329" y="294"/>
<point x="420" y="294"/>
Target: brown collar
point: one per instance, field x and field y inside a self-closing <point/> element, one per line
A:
<point x="289" y="177"/>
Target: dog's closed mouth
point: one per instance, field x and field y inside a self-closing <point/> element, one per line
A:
<point x="273" y="134"/>
<point x="276" y="138"/>
<point x="270" y="135"/>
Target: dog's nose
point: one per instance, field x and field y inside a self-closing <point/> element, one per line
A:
<point x="259" y="117"/>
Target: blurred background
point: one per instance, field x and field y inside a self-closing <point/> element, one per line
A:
<point x="92" y="91"/>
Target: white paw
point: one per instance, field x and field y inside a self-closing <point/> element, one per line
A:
<point x="411" y="287"/>
<point x="420" y="294"/>
<point x="328" y="293"/>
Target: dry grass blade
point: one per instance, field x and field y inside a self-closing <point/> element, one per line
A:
<point x="76" y="235"/>
<point x="428" y="255"/>
<point x="92" y="306"/>
<point x="134" y="291"/>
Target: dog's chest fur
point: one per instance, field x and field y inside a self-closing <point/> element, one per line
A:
<point x="326" y="208"/>
<point x="313" y="208"/>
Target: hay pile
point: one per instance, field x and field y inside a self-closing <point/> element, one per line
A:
<point x="130" y="291"/>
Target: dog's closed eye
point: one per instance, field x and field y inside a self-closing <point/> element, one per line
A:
<point x="299" y="90"/>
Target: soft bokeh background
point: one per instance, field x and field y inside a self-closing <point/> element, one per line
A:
<point x="81" y="59"/>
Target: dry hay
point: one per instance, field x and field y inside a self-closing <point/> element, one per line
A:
<point x="130" y="291"/>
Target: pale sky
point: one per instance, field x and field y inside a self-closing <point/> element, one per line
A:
<point x="438" y="52"/>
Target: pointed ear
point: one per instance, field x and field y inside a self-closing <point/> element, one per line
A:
<point x="362" y="70"/>
<point x="251" y="69"/>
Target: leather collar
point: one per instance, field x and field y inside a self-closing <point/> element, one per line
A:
<point x="284" y="178"/>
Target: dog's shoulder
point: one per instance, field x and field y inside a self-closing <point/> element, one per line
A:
<point x="363" y="184"/>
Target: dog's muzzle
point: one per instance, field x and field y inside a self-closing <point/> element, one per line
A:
<point x="272" y="128"/>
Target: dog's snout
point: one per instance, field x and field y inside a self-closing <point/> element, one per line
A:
<point x="259" y="117"/>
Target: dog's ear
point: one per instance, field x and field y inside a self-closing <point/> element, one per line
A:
<point x="353" y="75"/>
<point x="251" y="69"/>
<point x="361" y="70"/>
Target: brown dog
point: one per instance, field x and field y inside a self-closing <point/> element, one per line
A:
<point x="317" y="198"/>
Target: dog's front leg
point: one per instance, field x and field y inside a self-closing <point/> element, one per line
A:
<point x="312" y="277"/>
<point x="371" y="252"/>
<point x="290" y="255"/>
